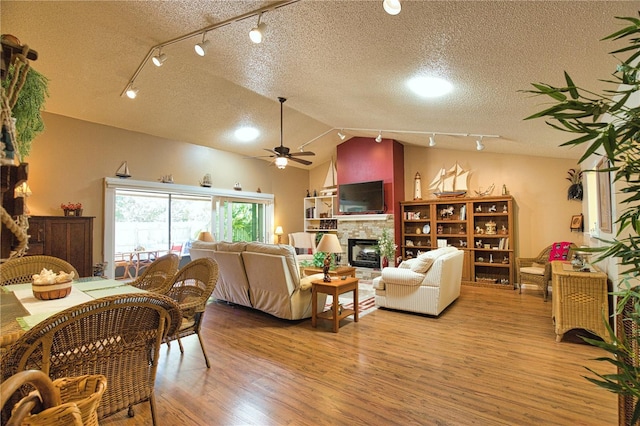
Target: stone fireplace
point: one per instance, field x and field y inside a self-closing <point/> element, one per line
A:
<point x="362" y="228"/>
<point x="362" y="253"/>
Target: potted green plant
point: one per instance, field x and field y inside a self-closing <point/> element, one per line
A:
<point x="575" y="191"/>
<point x="386" y="248"/>
<point x="27" y="108"/>
<point x="579" y="111"/>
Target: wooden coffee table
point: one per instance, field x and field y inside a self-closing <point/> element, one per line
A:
<point x="340" y="271"/>
<point x="334" y="288"/>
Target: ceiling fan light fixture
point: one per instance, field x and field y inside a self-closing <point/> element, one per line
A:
<point x="479" y="144"/>
<point x="392" y="7"/>
<point x="432" y="140"/>
<point x="159" y="59"/>
<point x="257" y="33"/>
<point x="281" y="162"/>
<point x="132" y="92"/>
<point x="379" y="137"/>
<point x="201" y="48"/>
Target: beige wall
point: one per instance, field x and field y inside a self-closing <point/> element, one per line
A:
<point x="70" y="159"/>
<point x="538" y="185"/>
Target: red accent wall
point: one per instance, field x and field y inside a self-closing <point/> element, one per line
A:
<point x="363" y="159"/>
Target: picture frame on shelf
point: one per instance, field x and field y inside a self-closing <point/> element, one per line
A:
<point x="577" y="222"/>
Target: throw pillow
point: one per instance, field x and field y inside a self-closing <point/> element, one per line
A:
<point x="422" y="263"/>
<point x="559" y="251"/>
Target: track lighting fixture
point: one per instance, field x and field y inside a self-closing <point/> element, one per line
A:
<point x="159" y="59"/>
<point x="257" y="33"/>
<point x="432" y="140"/>
<point x="341" y="135"/>
<point x="201" y="48"/>
<point x="379" y="137"/>
<point x="392" y="7"/>
<point x="132" y="92"/>
<point x="479" y="145"/>
<point x="281" y="162"/>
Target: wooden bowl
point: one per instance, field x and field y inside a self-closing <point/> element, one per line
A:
<point x="51" y="291"/>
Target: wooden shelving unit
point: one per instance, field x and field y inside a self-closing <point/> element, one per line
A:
<point x="482" y="227"/>
<point x="320" y="214"/>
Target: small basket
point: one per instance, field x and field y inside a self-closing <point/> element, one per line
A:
<point x="51" y="291"/>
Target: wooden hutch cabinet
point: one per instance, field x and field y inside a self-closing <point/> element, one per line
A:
<point x="66" y="237"/>
<point x="482" y="227"/>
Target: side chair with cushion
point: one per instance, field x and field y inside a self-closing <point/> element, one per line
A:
<point x="191" y="288"/>
<point x="19" y="270"/>
<point x="537" y="270"/>
<point x="117" y="336"/>
<point x="158" y="276"/>
<point x="304" y="243"/>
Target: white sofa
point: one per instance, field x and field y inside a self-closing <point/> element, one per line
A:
<point x="303" y="243"/>
<point x="260" y="276"/>
<point x="426" y="284"/>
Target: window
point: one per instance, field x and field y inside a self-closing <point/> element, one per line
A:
<point x="152" y="216"/>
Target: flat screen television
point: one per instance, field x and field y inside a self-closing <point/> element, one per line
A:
<point x="361" y="197"/>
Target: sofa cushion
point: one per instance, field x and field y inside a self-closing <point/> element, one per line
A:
<point x="423" y="262"/>
<point x="239" y="246"/>
<point x="402" y="276"/>
<point x="204" y="245"/>
<point x="279" y="250"/>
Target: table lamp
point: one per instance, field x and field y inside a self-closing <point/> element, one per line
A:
<point x="328" y="244"/>
<point x="279" y="233"/>
<point x="205" y="236"/>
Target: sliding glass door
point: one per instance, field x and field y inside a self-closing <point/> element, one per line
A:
<point x="147" y="217"/>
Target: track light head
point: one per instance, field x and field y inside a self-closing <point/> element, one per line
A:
<point x="392" y="7"/>
<point x="432" y="140"/>
<point x="201" y="48"/>
<point x="257" y="33"/>
<point x="132" y="92"/>
<point x="159" y="59"/>
<point x="479" y="144"/>
<point x="341" y="135"/>
<point x="281" y="162"/>
<point x="379" y="137"/>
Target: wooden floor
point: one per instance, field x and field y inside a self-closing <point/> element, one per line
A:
<point x="489" y="359"/>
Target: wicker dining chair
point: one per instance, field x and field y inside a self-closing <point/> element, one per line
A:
<point x="191" y="288"/>
<point x="117" y="336"/>
<point x="20" y="270"/>
<point x="158" y="276"/>
<point x="537" y="270"/>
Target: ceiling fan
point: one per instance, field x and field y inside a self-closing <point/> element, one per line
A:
<point x="282" y="153"/>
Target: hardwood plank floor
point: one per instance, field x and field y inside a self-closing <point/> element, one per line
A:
<point x="489" y="359"/>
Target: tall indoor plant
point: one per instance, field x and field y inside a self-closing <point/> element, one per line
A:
<point x="579" y="111"/>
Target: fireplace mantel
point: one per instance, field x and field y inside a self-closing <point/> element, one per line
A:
<point x="355" y="217"/>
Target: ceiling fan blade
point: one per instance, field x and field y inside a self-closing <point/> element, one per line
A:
<point x="298" y="154"/>
<point x="300" y="160"/>
<point x="271" y="151"/>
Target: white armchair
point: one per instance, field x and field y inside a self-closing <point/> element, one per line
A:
<point x="303" y="242"/>
<point x="426" y="284"/>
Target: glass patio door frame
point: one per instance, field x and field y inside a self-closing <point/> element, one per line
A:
<point x="218" y="196"/>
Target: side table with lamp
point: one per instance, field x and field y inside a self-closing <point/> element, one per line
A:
<point x="335" y="287"/>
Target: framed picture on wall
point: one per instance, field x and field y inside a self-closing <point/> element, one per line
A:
<point x="577" y="223"/>
<point x="604" y="196"/>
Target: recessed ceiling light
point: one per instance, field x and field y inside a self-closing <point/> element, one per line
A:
<point x="429" y="87"/>
<point x="246" y="134"/>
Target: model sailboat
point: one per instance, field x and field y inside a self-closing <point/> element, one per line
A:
<point x="123" y="170"/>
<point x="330" y="182"/>
<point x="450" y="183"/>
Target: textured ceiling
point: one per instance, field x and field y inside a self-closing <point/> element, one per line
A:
<point x="341" y="64"/>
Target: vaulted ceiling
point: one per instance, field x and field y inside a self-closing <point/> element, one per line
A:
<point x="340" y="64"/>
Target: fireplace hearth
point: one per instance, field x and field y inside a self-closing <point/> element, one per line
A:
<point x="362" y="253"/>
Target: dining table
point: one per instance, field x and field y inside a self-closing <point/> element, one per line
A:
<point x="20" y="310"/>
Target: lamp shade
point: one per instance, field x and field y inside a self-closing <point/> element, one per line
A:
<point x="279" y="230"/>
<point x="205" y="236"/>
<point x="329" y="243"/>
